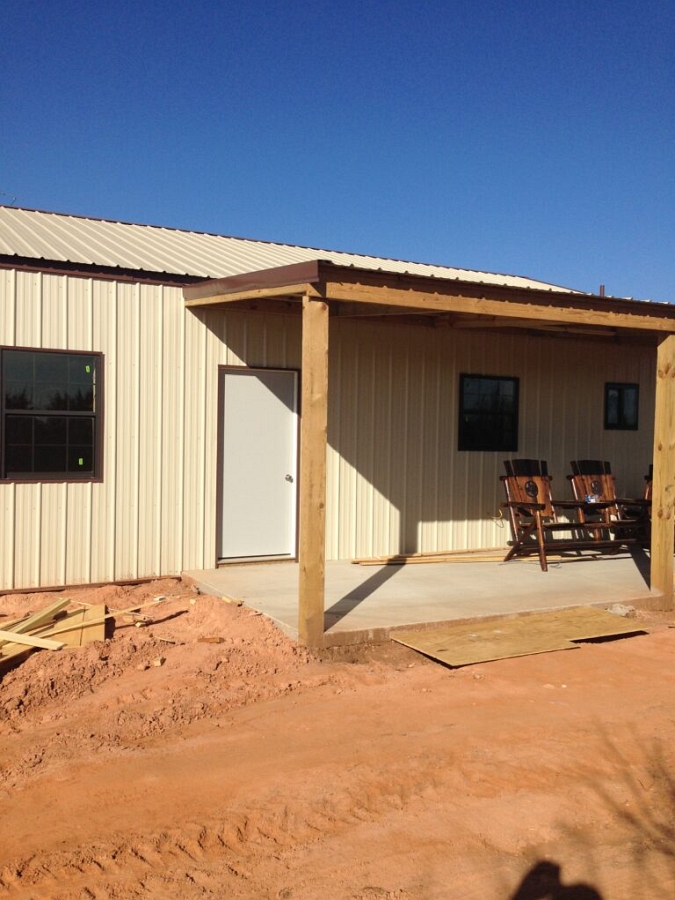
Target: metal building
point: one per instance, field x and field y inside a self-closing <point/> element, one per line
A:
<point x="174" y="399"/>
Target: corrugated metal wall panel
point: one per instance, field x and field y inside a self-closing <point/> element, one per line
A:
<point x="104" y="511"/>
<point x="396" y="481"/>
<point x="125" y="420"/>
<point x="194" y="450"/>
<point x="400" y="484"/>
<point x="53" y="533"/>
<point x="172" y="434"/>
<point x="152" y="409"/>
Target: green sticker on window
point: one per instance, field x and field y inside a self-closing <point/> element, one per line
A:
<point x="87" y="369"/>
<point x="80" y="461"/>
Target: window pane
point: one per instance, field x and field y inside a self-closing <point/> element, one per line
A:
<point x="81" y="398"/>
<point x="47" y="382"/>
<point x="612" y="406"/>
<point x="50" y="430"/>
<point x="81" y="431"/>
<point x="488" y="413"/>
<point x="621" y="405"/>
<point x="18" y="458"/>
<point x="18" y="394"/>
<point x="630" y="407"/>
<point x="51" y="367"/>
<point x="18" y="364"/>
<point x="50" y="459"/>
<point x="19" y="429"/>
<point x="80" y="460"/>
<point x="81" y="369"/>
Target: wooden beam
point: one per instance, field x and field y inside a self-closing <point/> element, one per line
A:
<point x="285" y="306"/>
<point x="663" y="486"/>
<point x="313" y="444"/>
<point x="574" y="310"/>
<point x="287" y="290"/>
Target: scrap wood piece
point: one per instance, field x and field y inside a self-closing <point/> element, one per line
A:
<point x="28" y="640"/>
<point x="451" y="556"/>
<point x="96" y="617"/>
<point x="430" y="556"/>
<point x="36" y="620"/>
<point x="462" y="644"/>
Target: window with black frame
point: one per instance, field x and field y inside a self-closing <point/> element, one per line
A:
<point x="621" y="406"/>
<point x="488" y="413"/>
<point x="50" y="414"/>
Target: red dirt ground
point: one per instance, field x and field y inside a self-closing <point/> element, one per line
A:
<point x="250" y="768"/>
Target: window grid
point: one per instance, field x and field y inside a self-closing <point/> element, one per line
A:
<point x="50" y="414"/>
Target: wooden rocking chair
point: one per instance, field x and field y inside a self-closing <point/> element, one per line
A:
<point x="592" y="480"/>
<point x="533" y="515"/>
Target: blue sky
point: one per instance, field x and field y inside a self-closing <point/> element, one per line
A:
<point x="523" y="136"/>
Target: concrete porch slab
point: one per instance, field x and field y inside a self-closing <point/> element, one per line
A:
<point x="365" y="603"/>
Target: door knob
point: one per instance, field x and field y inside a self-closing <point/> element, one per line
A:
<point x="289" y="478"/>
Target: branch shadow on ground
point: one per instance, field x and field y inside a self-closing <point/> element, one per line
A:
<point x="645" y="807"/>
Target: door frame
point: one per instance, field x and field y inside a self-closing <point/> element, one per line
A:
<point x="223" y="369"/>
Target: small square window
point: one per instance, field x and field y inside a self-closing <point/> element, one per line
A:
<point x="488" y="413"/>
<point x="621" y="406"/>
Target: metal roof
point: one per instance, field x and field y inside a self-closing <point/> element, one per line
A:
<point x="57" y="237"/>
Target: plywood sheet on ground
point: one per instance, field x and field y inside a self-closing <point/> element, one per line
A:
<point x="464" y="644"/>
<point x="73" y="629"/>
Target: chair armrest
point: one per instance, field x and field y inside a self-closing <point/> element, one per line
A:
<point x="633" y="501"/>
<point x="516" y="504"/>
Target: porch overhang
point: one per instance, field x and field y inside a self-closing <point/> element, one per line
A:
<point x="318" y="289"/>
<point x="352" y="292"/>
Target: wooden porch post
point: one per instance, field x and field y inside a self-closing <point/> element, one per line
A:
<point x="313" y="442"/>
<point x="663" y="488"/>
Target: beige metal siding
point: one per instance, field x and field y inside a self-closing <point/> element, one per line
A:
<point x="395" y="479"/>
<point x="154" y="511"/>
<point x="395" y="474"/>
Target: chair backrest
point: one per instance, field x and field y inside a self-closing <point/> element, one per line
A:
<point x="594" y="477"/>
<point x="528" y="481"/>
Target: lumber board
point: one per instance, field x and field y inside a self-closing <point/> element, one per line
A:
<point x="99" y="619"/>
<point x="430" y="556"/>
<point x="28" y="640"/>
<point x="459" y="558"/>
<point x="464" y="644"/>
<point x="80" y="626"/>
<point x="39" y="618"/>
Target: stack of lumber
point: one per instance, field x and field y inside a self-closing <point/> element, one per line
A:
<point x="495" y="554"/>
<point x="52" y="628"/>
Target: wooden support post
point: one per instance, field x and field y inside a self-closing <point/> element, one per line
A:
<point x="313" y="442"/>
<point x="663" y="488"/>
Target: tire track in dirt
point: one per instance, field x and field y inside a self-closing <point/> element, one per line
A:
<point x="220" y="857"/>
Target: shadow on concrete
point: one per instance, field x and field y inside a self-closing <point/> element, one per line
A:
<point x="358" y="594"/>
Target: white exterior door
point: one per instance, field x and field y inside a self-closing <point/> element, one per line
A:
<point x="258" y="463"/>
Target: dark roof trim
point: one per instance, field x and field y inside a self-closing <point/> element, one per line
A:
<point x="85" y="270"/>
<point x="296" y="273"/>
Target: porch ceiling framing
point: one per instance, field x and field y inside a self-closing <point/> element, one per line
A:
<point x="319" y="289"/>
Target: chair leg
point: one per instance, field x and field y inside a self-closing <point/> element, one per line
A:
<point x="541" y="542"/>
